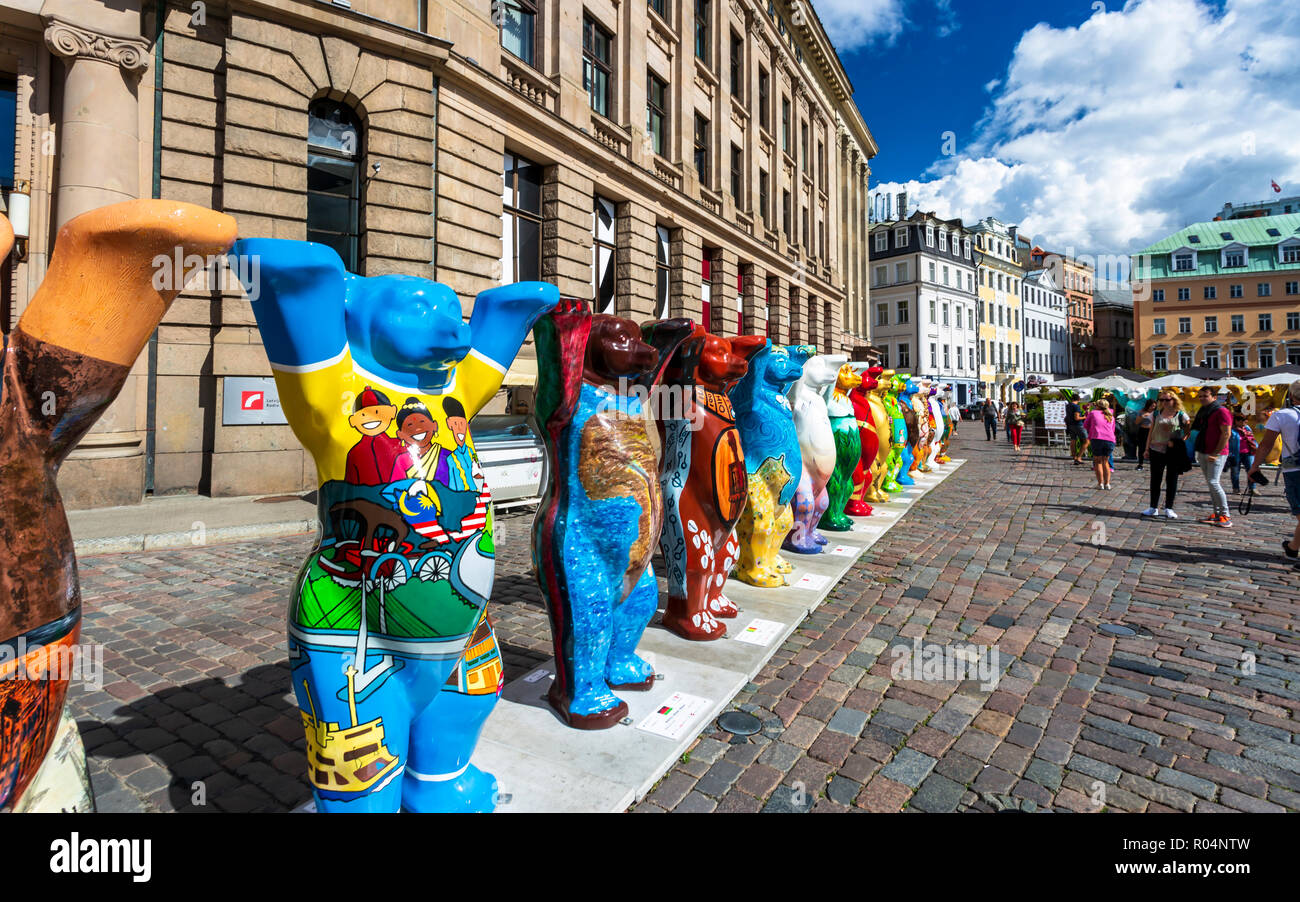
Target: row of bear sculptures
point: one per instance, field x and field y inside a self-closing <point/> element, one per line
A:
<point x="393" y="658"/>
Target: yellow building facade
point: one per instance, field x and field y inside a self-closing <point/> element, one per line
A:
<point x="999" y="279"/>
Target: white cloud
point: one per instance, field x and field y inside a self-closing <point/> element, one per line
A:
<point x="854" y="24"/>
<point x="1108" y="136"/>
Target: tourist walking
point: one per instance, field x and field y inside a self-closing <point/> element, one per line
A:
<point x="1015" y="422"/>
<point x="1074" y="429"/>
<point x="990" y="421"/>
<point x="1285" y="424"/>
<point x="1145" y="419"/>
<point x="1099" y="424"/>
<point x="1165" y="450"/>
<point x="1213" y="428"/>
<point x="1241" y="449"/>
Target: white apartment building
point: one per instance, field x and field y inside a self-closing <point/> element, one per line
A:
<point x="925" y="312"/>
<point x="1046" y="331"/>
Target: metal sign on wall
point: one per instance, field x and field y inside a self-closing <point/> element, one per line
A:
<point x="250" y="401"/>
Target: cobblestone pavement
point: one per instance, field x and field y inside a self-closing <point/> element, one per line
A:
<point x="1022" y="553"/>
<point x="1015" y="552"/>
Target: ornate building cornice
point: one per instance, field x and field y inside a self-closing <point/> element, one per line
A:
<point x="74" y="42"/>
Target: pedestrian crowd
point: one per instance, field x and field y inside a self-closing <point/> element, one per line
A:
<point x="1219" y="437"/>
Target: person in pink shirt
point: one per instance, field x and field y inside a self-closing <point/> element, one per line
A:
<point x="1213" y="428"/>
<point x="1100" y="426"/>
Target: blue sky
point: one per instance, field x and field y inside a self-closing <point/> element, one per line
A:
<point x="1097" y="127"/>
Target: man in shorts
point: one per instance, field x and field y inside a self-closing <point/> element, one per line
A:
<point x="1285" y="423"/>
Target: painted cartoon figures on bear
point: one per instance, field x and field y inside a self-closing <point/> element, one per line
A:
<point x="393" y="659"/>
<point x="772" y="460"/>
<point x="64" y="363"/>
<point x="703" y="475"/>
<point x="598" y="522"/>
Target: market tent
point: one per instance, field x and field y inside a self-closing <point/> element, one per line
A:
<point x="1121" y="373"/>
<point x="1272" y="379"/>
<point x="1173" y="380"/>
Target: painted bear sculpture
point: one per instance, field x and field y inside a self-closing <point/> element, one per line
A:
<point x="848" y="449"/>
<point x="64" y="362"/>
<point x="884" y="428"/>
<point x="772" y="460"/>
<point x="900" y="454"/>
<point x="868" y="443"/>
<point x="702" y="474"/>
<point x="599" y="520"/>
<point x="393" y="660"/>
<point x="817" y="447"/>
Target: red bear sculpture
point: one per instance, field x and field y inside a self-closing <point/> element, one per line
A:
<point x="702" y="475"/>
<point x="860" y="397"/>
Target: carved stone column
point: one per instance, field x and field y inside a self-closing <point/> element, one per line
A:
<point x="99" y="164"/>
<point x="99" y="140"/>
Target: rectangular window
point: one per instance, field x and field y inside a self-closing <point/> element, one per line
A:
<point x="1210" y="292"/>
<point x="970" y="319"/>
<point x="1211" y="324"/>
<point x="521" y="220"/>
<point x="904" y="356"/>
<point x="1263" y="289"/>
<point x="934" y="356"/>
<point x="660" y="7"/>
<point x="603" y="254"/>
<point x="785" y="124"/>
<point x="1292" y="320"/>
<point x="702" y="30"/>
<point x="1238" y="358"/>
<point x="1238" y="323"/>
<point x="971" y="355"/>
<point x="946" y="362"/>
<point x="932" y="272"/>
<point x="662" y="270"/>
<point x="882" y="314"/>
<point x="702" y="149"/>
<point x="764" y="114"/>
<point x="945" y="275"/>
<point x="1212" y="358"/>
<point x="945" y="313"/>
<point x="1184" y="294"/>
<point x="737" y="175"/>
<point x="901" y="272"/>
<point x="803" y="231"/>
<point x="518" y="28"/>
<point x="1184" y="360"/>
<point x="656" y="113"/>
<point x="884" y="356"/>
<point x="1293" y="287"/>
<point x="1265" y="358"/>
<point x="763" y="198"/>
<point x="1158" y="326"/>
<point x="737" y="67"/>
<point x="900" y="237"/>
<point x="1291" y="253"/>
<point x="1157" y="294"/>
<point x="882" y="276"/>
<point x="1234" y="258"/>
<point x="882" y="240"/>
<point x="1185" y="325"/>
<point x="933" y="319"/>
<point x="786" y="225"/>
<point x="1182" y="262"/>
<point x="1266" y="322"/>
<point x="1234" y="291"/>
<point x="1159" y="360"/>
<point x="821" y="165"/>
<point x="904" y="313"/>
<point x="597" y="76"/>
<point x="943" y="241"/>
<point x="805" y="163"/>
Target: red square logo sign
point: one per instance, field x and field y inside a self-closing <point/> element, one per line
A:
<point x="252" y="400"/>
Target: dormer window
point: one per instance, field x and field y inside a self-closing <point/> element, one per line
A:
<point x="1289" y="251"/>
<point x="1226" y="236"/>
<point x="1194" y="239"/>
<point x="882" y="240"/>
<point x="929" y="236"/>
<point x="1234" y="255"/>
<point x="943" y="241"/>
<point x="1184" y="260"/>
<point x="966" y="252"/>
<point x="900" y="237"/>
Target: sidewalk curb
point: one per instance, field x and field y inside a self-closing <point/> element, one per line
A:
<point x="187" y="539"/>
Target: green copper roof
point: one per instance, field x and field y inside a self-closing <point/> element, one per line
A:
<point x="1209" y="235"/>
<point x="1208" y="239"/>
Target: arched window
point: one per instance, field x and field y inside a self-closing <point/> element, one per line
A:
<point x="334" y="179"/>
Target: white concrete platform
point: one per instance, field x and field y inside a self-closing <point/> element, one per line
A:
<point x="546" y="766"/>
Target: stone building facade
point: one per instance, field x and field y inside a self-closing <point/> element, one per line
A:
<point x="998" y="278"/>
<point x="701" y="159"/>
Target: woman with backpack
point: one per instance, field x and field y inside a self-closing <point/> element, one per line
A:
<point x="1100" y="426"/>
<point x="1241" y="449"/>
<point x="1167" y="452"/>
<point x="1015" y="422"/>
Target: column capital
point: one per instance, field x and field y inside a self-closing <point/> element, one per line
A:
<point x="74" y="42"/>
